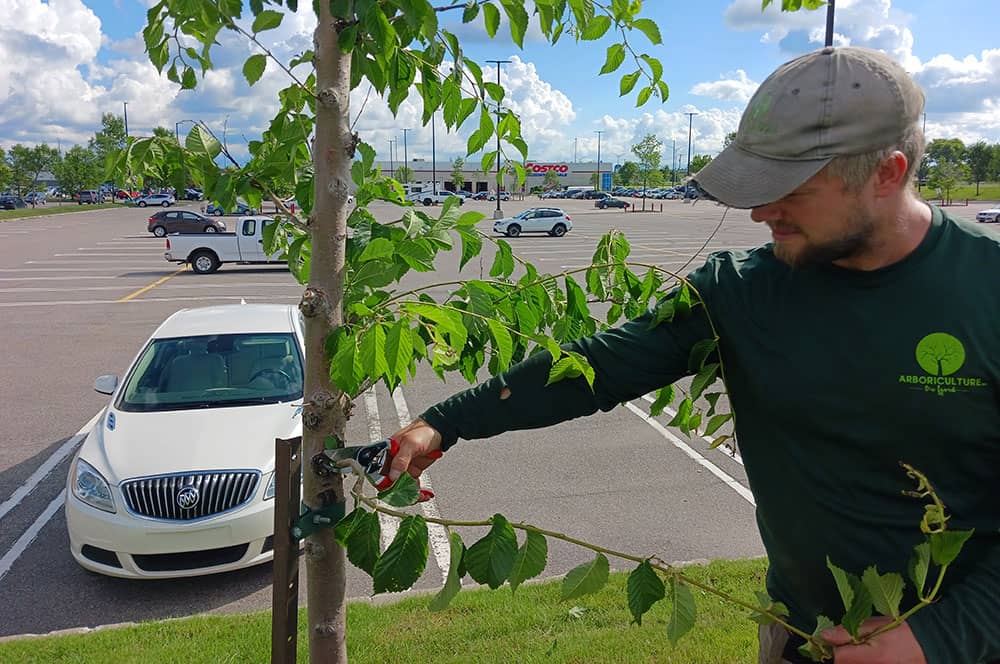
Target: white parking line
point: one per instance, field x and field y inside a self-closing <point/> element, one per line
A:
<point x="47" y="466"/>
<point x="732" y="483"/>
<point x="730" y="453"/>
<point x="438" y="535"/>
<point x="389" y="524"/>
<point x="29" y="535"/>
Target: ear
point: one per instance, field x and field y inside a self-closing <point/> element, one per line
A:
<point x="890" y="176"/>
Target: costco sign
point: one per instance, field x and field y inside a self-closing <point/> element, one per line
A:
<point x="538" y="170"/>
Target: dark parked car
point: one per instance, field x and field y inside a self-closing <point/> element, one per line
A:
<point x="611" y="203"/>
<point x="241" y="208"/>
<point x="183" y="221"/>
<point x="481" y="196"/>
<point x="11" y="202"/>
<point x="591" y="195"/>
<point x="193" y="194"/>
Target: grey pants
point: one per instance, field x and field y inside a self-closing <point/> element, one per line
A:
<point x="771" y="640"/>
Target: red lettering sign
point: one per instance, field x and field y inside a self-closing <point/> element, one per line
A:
<point x="539" y="169"/>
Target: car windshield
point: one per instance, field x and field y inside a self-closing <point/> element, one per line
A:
<point x="214" y="371"/>
<point x="522" y="215"/>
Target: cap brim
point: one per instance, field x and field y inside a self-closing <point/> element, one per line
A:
<point x="741" y="179"/>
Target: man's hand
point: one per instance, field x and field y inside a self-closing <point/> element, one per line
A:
<point x="897" y="646"/>
<point x="419" y="447"/>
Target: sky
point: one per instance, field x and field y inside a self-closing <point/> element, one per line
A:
<point x="65" y="62"/>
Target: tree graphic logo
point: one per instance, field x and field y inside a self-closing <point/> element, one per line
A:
<point x="940" y="354"/>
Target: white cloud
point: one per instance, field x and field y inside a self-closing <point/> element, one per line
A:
<point x="737" y="87"/>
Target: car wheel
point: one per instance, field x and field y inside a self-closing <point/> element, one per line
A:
<point x="204" y="262"/>
<point x="165" y="203"/>
<point x="160" y="231"/>
<point x="428" y="202"/>
<point x="559" y="230"/>
<point x="513" y="230"/>
<point x="218" y="212"/>
<point x="211" y="229"/>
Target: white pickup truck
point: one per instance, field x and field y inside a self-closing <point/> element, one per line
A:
<point x="207" y="251"/>
<point x="429" y="197"/>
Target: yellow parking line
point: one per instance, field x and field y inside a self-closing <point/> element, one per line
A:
<point x="150" y="287"/>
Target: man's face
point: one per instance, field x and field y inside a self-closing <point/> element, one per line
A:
<point x="821" y="222"/>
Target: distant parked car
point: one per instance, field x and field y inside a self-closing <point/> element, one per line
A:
<point x="504" y="196"/>
<point x="192" y="194"/>
<point x="166" y="200"/>
<point x="89" y="196"/>
<point x="8" y="202"/>
<point x="989" y="216"/>
<point x="481" y="196"/>
<point x="610" y="202"/>
<point x="182" y="221"/>
<point x="242" y="208"/>
<point x="553" y="221"/>
<point x="35" y="198"/>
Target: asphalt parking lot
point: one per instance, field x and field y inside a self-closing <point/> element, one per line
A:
<point x="80" y="292"/>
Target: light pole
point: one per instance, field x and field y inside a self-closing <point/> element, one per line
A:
<point x="434" y="186"/>
<point x="829" y="22"/>
<point x="177" y="135"/>
<point x="125" y="105"/>
<point x="597" y="186"/>
<point x="406" y="160"/>
<point x="690" y="118"/>
<point x="498" y="213"/>
<point x="391" y="170"/>
<point x="574" y="150"/>
<point x="673" y="164"/>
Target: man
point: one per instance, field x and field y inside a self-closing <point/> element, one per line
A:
<point x="864" y="335"/>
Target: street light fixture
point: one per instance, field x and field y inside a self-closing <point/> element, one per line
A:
<point x="690" y="118"/>
<point x="498" y="213"/>
<point x="406" y="160"/>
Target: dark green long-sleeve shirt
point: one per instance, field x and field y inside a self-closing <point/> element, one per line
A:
<point x="835" y="377"/>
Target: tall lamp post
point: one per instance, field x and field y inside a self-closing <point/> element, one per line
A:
<point x="597" y="186"/>
<point x="177" y="137"/>
<point x="690" y="118"/>
<point x="829" y="22"/>
<point x="125" y="106"/>
<point x="498" y="213"/>
<point x="434" y="186"/>
<point x="406" y="160"/>
<point x="392" y="173"/>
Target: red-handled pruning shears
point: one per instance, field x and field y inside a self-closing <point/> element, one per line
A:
<point x="375" y="459"/>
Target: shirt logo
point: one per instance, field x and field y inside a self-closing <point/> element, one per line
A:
<point x="941" y="356"/>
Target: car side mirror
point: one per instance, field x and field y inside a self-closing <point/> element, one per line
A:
<point x="106" y="384"/>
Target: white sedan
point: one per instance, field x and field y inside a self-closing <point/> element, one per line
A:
<point x="177" y="476"/>
<point x="987" y="216"/>
<point x="553" y="221"/>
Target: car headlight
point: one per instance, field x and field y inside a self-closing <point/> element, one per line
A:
<point x="90" y="487"/>
<point x="269" y="491"/>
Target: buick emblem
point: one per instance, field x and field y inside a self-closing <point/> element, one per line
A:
<point x="188" y="497"/>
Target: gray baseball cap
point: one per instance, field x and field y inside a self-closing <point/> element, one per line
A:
<point x="828" y="103"/>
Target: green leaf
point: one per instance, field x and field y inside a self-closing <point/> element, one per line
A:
<point x="614" y="58"/>
<point x="860" y="609"/>
<point x="843" y="583"/>
<point x="703" y="379"/>
<point x="770" y="606"/>
<point x="530" y="560"/>
<point x="377" y="249"/>
<point x="472" y="244"/>
<point x="654" y="66"/>
<point x="595" y="28"/>
<point x="586" y="578"/>
<point x="373" y="352"/>
<point x="363" y="541"/>
<point x="682" y="300"/>
<point x="253" y="68"/>
<point x="682" y="610"/>
<point x="491" y="559"/>
<point x="644" y="96"/>
<point x="267" y="20"/>
<point x="470" y="12"/>
<point x="946" y="545"/>
<point x="664" y="397"/>
<point x="343" y="527"/>
<point x="398" y="350"/>
<point x="919" y="566"/>
<point x="717" y="421"/>
<point x="700" y="353"/>
<point x="453" y="583"/>
<point x="518" y="19"/>
<point x="377" y="25"/>
<point x="664" y="311"/>
<point x="813" y="649"/>
<point x="347" y="38"/>
<point x="571" y="365"/>
<point x="503" y="261"/>
<point x="202" y="143"/>
<point x="649" y="28"/>
<point x="628" y="82"/>
<point x="403" y="493"/>
<point x="684" y="410"/>
<point x="403" y="562"/>
<point x="503" y="345"/>
<point x="886" y="590"/>
<point x="188" y="81"/>
<point x="645" y="588"/>
<point x="491" y="18"/>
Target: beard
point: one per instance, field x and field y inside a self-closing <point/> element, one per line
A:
<point x="854" y="241"/>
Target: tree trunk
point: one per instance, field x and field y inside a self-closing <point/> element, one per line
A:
<point x="325" y="408"/>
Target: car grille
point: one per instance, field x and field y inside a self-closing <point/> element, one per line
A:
<point x="190" y="496"/>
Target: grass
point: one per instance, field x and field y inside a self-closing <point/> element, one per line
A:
<point x="480" y="626"/>
<point x="988" y="191"/>
<point x="50" y="209"/>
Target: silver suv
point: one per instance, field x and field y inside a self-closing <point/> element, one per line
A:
<point x="553" y="221"/>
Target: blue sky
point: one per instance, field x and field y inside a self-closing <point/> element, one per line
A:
<point x="67" y="61"/>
